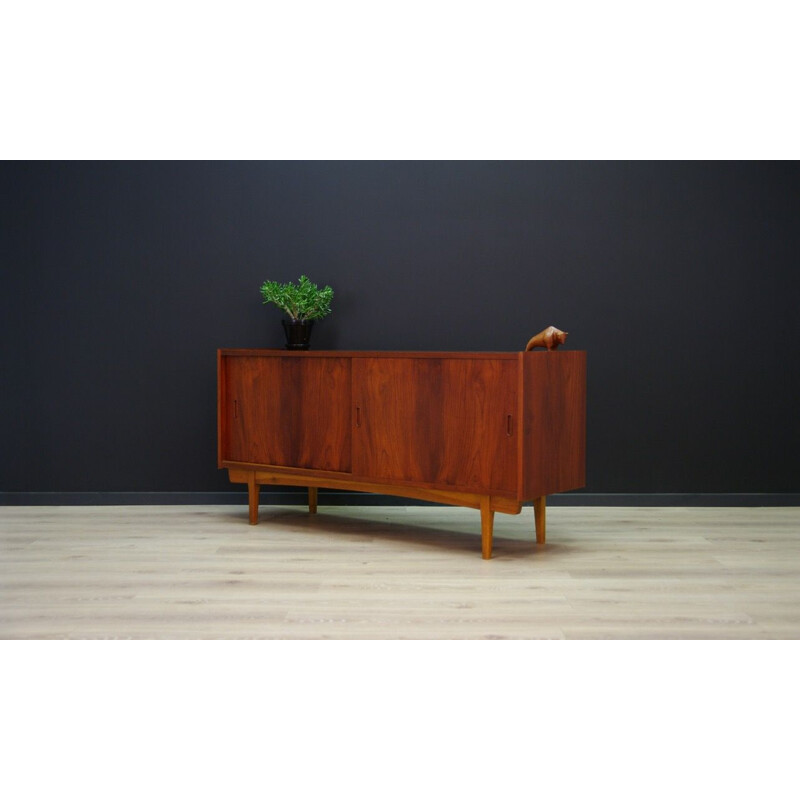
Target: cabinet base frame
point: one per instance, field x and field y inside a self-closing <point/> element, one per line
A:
<point x="486" y="504"/>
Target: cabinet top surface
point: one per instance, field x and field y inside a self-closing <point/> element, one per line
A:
<point x="386" y="353"/>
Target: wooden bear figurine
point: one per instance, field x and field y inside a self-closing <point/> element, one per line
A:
<point x="550" y="338"/>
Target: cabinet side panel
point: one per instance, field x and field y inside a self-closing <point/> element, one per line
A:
<point x="554" y="436"/>
<point x="221" y="415"/>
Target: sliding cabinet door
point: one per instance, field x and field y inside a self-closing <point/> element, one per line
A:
<point x="287" y="411"/>
<point x="446" y="422"/>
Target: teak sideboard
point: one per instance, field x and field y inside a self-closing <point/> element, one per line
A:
<point x="484" y="430"/>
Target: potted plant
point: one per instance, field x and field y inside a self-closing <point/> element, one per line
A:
<point x="303" y="302"/>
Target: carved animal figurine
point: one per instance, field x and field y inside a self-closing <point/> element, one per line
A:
<point x="550" y="338"/>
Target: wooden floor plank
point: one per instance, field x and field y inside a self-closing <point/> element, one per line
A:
<point x="415" y="572"/>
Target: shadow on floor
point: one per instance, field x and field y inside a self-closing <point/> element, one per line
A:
<point x="458" y="534"/>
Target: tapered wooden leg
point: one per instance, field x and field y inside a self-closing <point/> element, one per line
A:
<point x="312" y="499"/>
<point x="539" y="506"/>
<point x="487" y="525"/>
<point x="252" y="497"/>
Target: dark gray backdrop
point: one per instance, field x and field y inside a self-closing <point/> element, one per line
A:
<point x="120" y="280"/>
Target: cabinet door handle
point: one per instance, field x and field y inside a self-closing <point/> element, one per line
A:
<point x="358" y="416"/>
<point x="236" y="409"/>
<point x="508" y="425"/>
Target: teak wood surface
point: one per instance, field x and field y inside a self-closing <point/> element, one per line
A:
<point x="483" y="430"/>
<point x="436" y="422"/>
<point x="289" y="412"/>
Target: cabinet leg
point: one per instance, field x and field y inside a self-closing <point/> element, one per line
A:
<point x="312" y="499"/>
<point x="252" y="497"/>
<point x="487" y="524"/>
<point x="539" y="506"/>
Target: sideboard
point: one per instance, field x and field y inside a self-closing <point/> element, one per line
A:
<point x="488" y="431"/>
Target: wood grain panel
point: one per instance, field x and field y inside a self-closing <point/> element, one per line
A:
<point x="471" y="356"/>
<point x="285" y="411"/>
<point x="554" y="424"/>
<point x="437" y="421"/>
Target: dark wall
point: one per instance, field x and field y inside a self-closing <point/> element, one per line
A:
<point x="120" y="280"/>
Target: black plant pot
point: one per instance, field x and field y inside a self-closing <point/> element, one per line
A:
<point x="298" y="333"/>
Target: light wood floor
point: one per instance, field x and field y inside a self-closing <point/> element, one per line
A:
<point x="201" y="572"/>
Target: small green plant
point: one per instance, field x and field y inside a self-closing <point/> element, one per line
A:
<point x="301" y="301"/>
